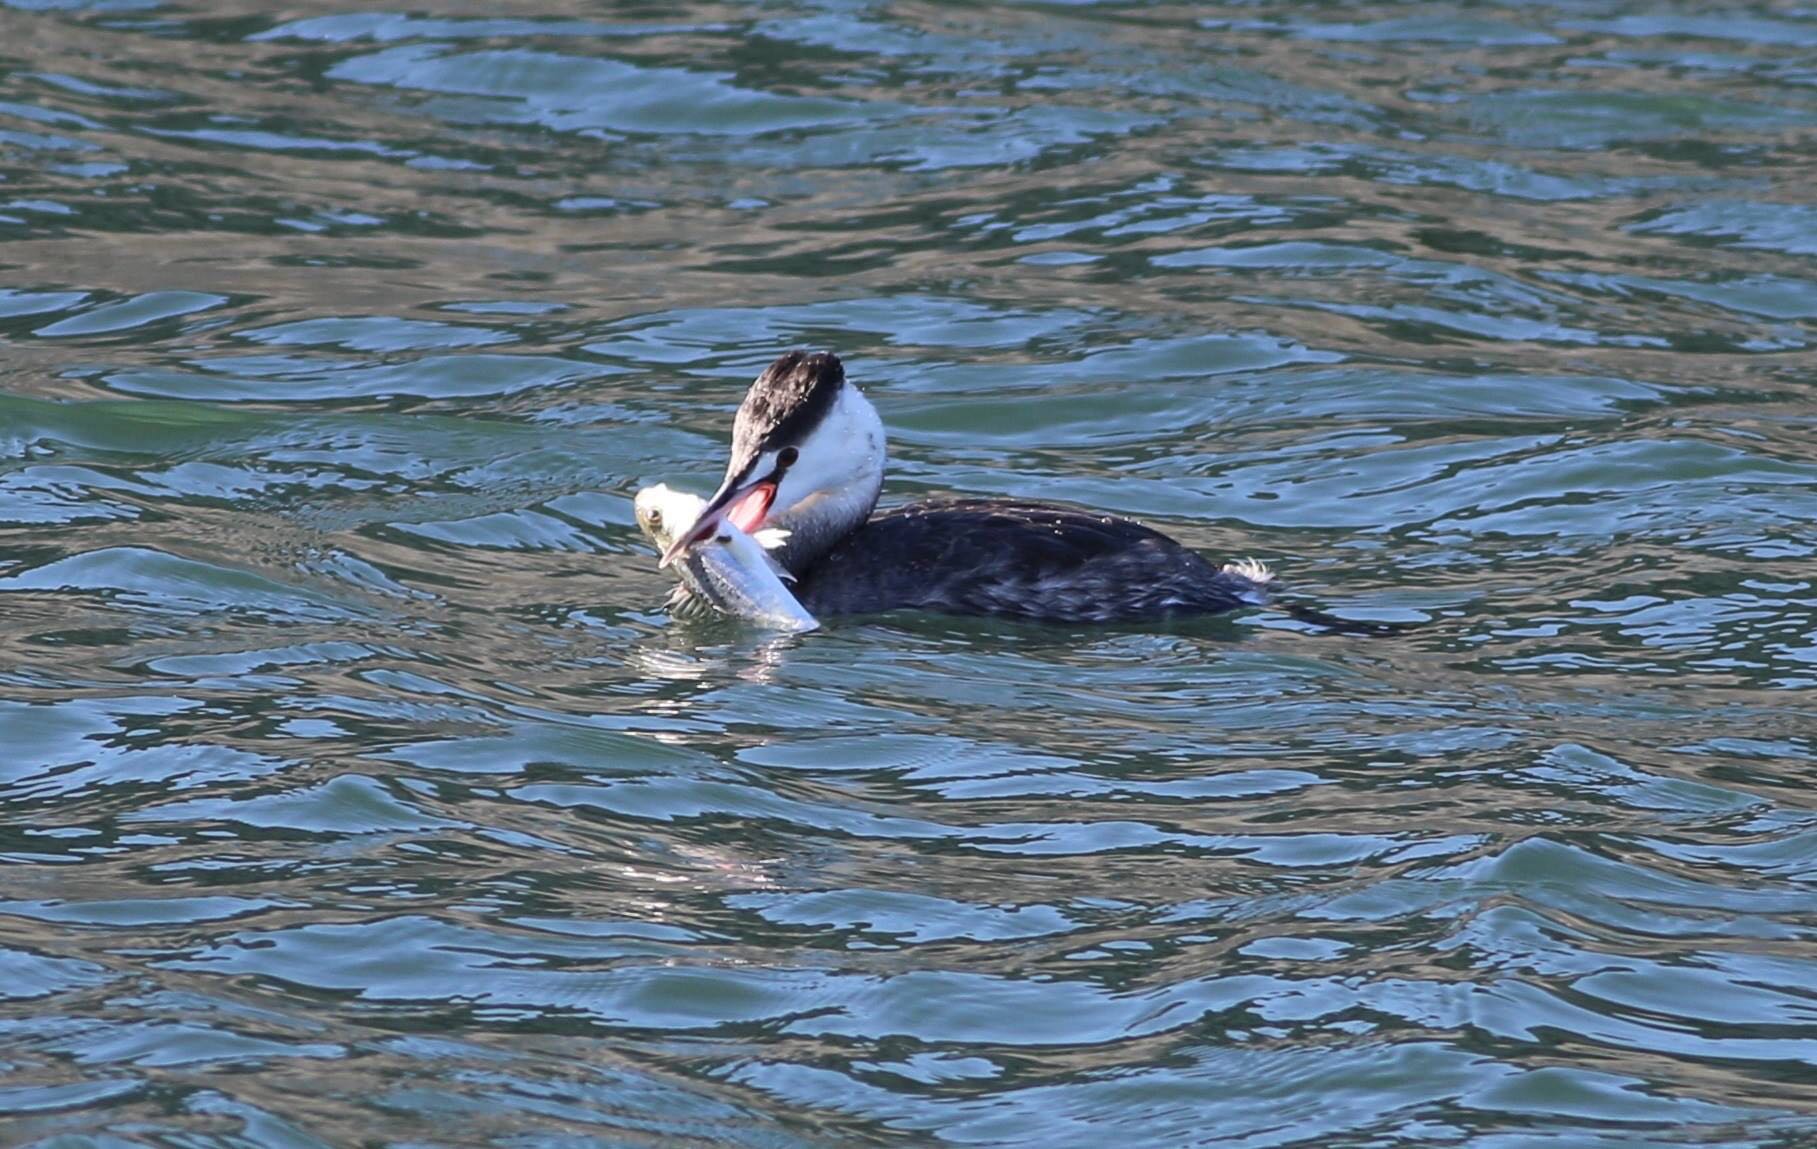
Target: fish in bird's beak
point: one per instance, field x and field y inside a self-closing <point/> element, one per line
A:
<point x="743" y="504"/>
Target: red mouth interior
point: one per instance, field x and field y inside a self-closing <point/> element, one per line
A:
<point x="747" y="511"/>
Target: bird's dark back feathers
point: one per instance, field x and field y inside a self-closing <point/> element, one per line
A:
<point x="1024" y="560"/>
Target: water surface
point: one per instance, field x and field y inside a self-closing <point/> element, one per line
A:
<point x="358" y="790"/>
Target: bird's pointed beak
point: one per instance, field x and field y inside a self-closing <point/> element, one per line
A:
<point x="743" y="504"/>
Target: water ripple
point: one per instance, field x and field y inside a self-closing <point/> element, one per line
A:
<point x="361" y="788"/>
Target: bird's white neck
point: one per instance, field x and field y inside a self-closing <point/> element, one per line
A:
<point x="833" y="486"/>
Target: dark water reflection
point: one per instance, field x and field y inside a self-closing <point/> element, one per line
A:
<point x="358" y="791"/>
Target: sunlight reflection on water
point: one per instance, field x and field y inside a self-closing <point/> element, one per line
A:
<point x="362" y="791"/>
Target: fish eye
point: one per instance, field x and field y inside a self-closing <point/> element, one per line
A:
<point x="654" y="515"/>
<point x="787" y="456"/>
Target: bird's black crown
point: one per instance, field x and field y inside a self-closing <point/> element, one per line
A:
<point x="786" y="402"/>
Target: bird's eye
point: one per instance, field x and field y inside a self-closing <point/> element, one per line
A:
<point x="787" y="456"/>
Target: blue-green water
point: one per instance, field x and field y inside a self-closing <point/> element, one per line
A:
<point x="355" y="788"/>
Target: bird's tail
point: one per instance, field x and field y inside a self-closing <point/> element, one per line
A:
<point x="1251" y="578"/>
<point x="1254" y="582"/>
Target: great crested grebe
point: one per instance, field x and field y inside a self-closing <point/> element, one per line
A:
<point x="805" y="472"/>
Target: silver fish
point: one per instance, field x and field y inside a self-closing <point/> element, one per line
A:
<point x="730" y="571"/>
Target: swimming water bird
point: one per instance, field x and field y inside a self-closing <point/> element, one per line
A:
<point x="807" y="465"/>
